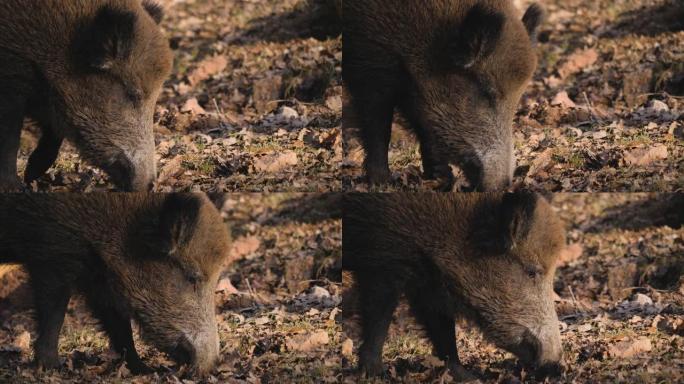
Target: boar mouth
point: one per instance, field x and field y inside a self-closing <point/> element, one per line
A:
<point x="183" y="352"/>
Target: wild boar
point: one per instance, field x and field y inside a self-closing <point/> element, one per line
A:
<point x="489" y="258"/>
<point x="152" y="258"/>
<point x="455" y="69"/>
<point x="89" y="71"/>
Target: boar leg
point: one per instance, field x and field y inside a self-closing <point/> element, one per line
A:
<point x="375" y="110"/>
<point x="11" y="122"/>
<point x="43" y="156"/>
<point x="440" y="328"/>
<point x="51" y="304"/>
<point x="118" y="328"/>
<point x="379" y="298"/>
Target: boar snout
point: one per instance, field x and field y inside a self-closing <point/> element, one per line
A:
<point x="490" y="169"/>
<point x="495" y="175"/>
<point x="134" y="172"/>
<point x="200" y="350"/>
<point x="541" y="350"/>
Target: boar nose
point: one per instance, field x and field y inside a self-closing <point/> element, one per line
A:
<point x="490" y="183"/>
<point x="133" y="173"/>
<point x="206" y="345"/>
<point x="542" y="349"/>
<point x="496" y="174"/>
<point x="496" y="166"/>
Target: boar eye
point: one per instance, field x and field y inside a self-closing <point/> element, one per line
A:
<point x="134" y="95"/>
<point x="532" y="271"/>
<point x="193" y="277"/>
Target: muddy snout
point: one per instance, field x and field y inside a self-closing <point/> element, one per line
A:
<point x="134" y="172"/>
<point x="541" y="351"/>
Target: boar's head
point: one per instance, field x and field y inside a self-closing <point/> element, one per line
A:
<point x="464" y="98"/>
<point x="505" y="283"/>
<point x="174" y="256"/>
<point x="118" y="61"/>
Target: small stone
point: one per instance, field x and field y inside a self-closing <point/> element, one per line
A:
<point x="658" y="106"/>
<point x="599" y="135"/>
<point x="288" y="113"/>
<point x="262" y="321"/>
<point x="319" y="293"/>
<point x="642" y="300"/>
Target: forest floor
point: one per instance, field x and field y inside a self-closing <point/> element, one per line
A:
<point x="277" y="304"/>
<point x="620" y="302"/>
<point x="604" y="112"/>
<point x="254" y="102"/>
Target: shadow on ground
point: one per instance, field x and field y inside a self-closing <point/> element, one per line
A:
<point x="318" y="19"/>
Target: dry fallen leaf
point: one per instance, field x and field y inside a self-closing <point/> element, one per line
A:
<point x="23" y="341"/>
<point x="576" y="62"/>
<point x="347" y="348"/>
<point x="171" y="169"/>
<point x="307" y="342"/>
<point x="5" y="269"/>
<point x="542" y="161"/>
<point x="646" y="156"/>
<point x="276" y="162"/>
<point x="192" y="106"/>
<point x="224" y="285"/>
<point x="630" y="348"/>
<point x="244" y="246"/>
<point x="563" y="100"/>
<point x="334" y="103"/>
<point x="569" y="254"/>
<point x="207" y="68"/>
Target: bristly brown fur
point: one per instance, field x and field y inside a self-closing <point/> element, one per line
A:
<point x="456" y="71"/>
<point x="89" y="71"/>
<point x="487" y="257"/>
<point x="152" y="258"/>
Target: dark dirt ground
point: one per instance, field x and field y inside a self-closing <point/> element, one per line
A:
<point x="254" y="103"/>
<point x="604" y="112"/>
<point x="277" y="306"/>
<point x="620" y="288"/>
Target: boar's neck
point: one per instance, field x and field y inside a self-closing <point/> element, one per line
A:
<point x="73" y="225"/>
<point x="41" y="31"/>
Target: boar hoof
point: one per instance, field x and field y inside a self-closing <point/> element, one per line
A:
<point x="371" y="367"/>
<point x="138" y="367"/>
<point x="462" y="375"/>
<point x="11" y="184"/>
<point x="48" y="362"/>
<point x="378" y="176"/>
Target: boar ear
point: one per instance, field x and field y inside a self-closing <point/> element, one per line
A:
<point x="532" y="19"/>
<point x="105" y="39"/>
<point x="517" y="211"/>
<point x="476" y="37"/>
<point x="178" y="220"/>
<point x="154" y="10"/>
<point x="498" y="227"/>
